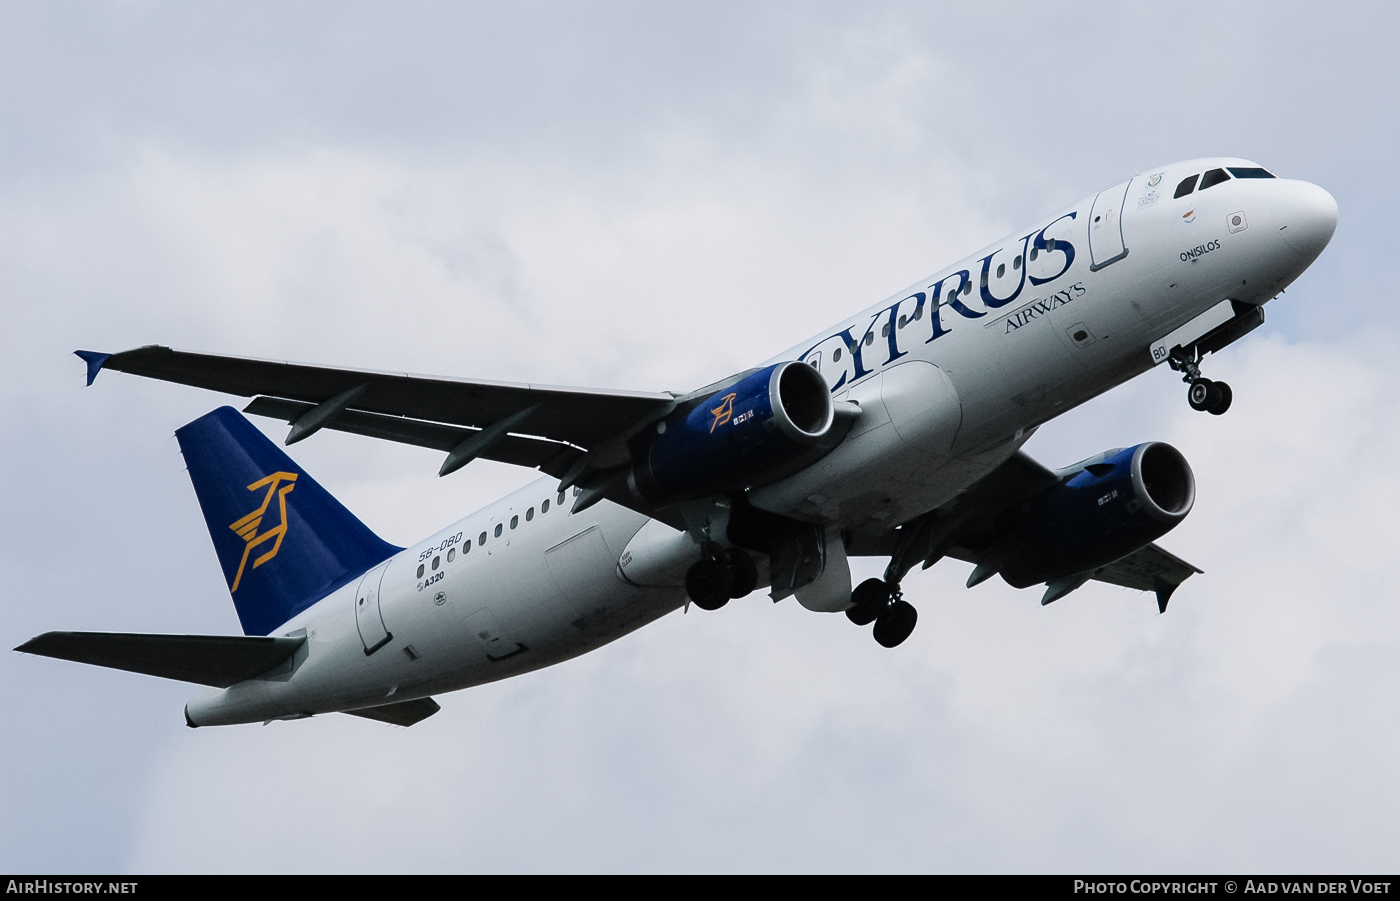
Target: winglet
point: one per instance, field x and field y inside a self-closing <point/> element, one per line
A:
<point x="94" y="362"/>
<point x="1163" y="590"/>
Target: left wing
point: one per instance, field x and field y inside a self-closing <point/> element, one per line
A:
<point x="539" y="426"/>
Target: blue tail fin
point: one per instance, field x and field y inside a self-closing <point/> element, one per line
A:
<point x="283" y="541"/>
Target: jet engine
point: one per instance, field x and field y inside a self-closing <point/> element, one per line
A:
<point x="766" y="425"/>
<point x="1107" y="508"/>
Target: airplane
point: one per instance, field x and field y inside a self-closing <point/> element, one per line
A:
<point x="896" y="433"/>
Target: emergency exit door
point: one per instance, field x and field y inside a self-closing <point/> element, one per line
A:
<point x="1106" y="227"/>
<point x="368" y="617"/>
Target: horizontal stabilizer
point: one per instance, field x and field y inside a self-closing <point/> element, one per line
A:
<point x="217" y="660"/>
<point x="404" y="713"/>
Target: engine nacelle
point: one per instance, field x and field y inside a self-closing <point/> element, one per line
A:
<point x="1117" y="503"/>
<point x="763" y="427"/>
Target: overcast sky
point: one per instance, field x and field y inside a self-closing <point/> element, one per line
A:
<point x="652" y="196"/>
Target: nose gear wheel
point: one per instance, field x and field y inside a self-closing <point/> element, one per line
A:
<point x="1201" y="394"/>
<point x="1209" y="397"/>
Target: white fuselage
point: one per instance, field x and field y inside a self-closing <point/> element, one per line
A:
<point x="952" y="376"/>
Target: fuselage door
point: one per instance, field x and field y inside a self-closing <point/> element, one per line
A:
<point x="1106" y="227"/>
<point x="367" y="616"/>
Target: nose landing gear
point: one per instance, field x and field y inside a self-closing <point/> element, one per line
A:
<point x="1202" y="393"/>
<point x="1210" y="397"/>
<point x="883" y="604"/>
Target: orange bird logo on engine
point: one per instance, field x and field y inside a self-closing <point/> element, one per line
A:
<point x="724" y="412"/>
<point x="280" y="484"/>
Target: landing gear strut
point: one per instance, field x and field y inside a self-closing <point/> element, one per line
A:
<point x="720" y="575"/>
<point x="1202" y="394"/>
<point x="883" y="604"/>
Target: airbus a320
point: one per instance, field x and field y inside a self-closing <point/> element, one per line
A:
<point x="896" y="433"/>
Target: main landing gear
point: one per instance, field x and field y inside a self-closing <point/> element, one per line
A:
<point x="877" y="601"/>
<point x="1202" y="394"/>
<point x="719" y="576"/>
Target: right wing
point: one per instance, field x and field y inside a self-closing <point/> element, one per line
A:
<point x="1148" y="569"/>
<point x="966" y="527"/>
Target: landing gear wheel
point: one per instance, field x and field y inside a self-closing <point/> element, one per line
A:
<point x="869" y="600"/>
<point x="1201" y="394"/>
<point x="743" y="574"/>
<point x="709" y="584"/>
<point x="1223" y="401"/>
<point x="895" y="624"/>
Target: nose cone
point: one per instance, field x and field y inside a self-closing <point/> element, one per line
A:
<point x="1305" y="215"/>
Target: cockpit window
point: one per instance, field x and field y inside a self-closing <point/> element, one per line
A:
<point x="1186" y="187"/>
<point x="1250" y="173"/>
<point x="1213" y="177"/>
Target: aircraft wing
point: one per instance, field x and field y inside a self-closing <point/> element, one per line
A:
<point x="966" y="527"/>
<point x="1148" y="569"/>
<point x="538" y="426"/>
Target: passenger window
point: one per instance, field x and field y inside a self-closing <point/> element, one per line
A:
<point x="1001" y="270"/>
<point x="1016" y="263"/>
<point x="869" y="338"/>
<point x="529" y="514"/>
<point x="836" y="355"/>
<point x="451" y="554"/>
<point x="1035" y="252"/>
<point x="514" y="521"/>
<point x="466" y="547"/>
<point x="984" y="279"/>
<point x="903" y="321"/>
<point x="420" y="570"/>
<point x="481" y="539"/>
<point x="544" y="508"/>
<point x="885" y="331"/>
<point x="560" y="499"/>
<point x="500" y="527"/>
<point x="1213" y="178"/>
<point x="1250" y="173"/>
<point x="918" y="314"/>
<point x="436" y="561"/>
<point x="1050" y="246"/>
<point x="1186" y="187"/>
<point x="967" y="286"/>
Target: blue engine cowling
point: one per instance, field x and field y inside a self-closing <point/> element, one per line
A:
<point x="1113" y="505"/>
<point x="763" y="427"/>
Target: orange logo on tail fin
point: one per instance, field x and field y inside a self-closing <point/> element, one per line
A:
<point x="247" y="527"/>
